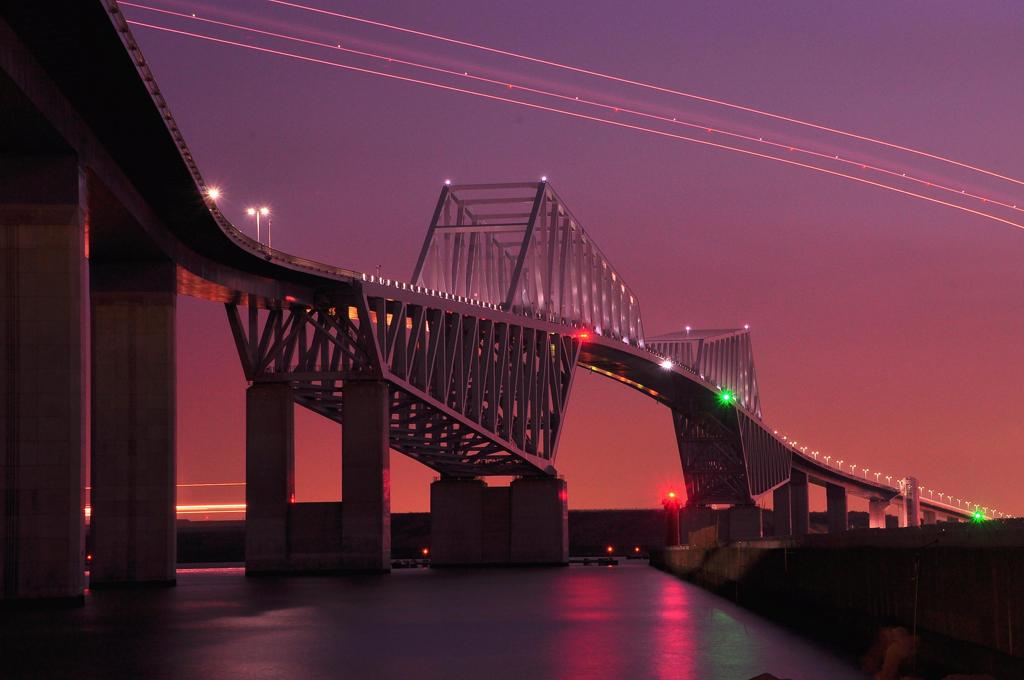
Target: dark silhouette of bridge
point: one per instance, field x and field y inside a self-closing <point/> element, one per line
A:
<point x="466" y="367"/>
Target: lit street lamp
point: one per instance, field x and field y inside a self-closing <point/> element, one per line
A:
<point x="262" y="211"/>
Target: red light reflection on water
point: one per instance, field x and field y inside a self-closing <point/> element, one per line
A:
<point x="675" y="636"/>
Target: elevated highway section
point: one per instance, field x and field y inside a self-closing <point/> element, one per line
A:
<point x="467" y="368"/>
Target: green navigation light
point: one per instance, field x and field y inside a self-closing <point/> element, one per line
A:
<point x="978" y="517"/>
<point x="727" y="397"/>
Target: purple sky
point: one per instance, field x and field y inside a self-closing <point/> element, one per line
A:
<point x="886" y="330"/>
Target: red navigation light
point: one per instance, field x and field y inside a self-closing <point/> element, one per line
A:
<point x="583" y="335"/>
<point x="88" y="557"/>
<point x="289" y="298"/>
<point x="425" y="551"/>
<point x="609" y="549"/>
<point x="671" y="494"/>
<point x="636" y="548"/>
<point x="291" y="499"/>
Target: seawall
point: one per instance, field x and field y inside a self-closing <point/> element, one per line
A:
<point x="959" y="587"/>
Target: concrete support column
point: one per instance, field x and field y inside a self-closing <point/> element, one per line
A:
<point x="911" y="514"/>
<point x="365" y="477"/>
<point x="835" y="497"/>
<point x="42" y="385"/>
<point x="928" y="517"/>
<point x="744" y="522"/>
<point x="269" y="475"/>
<point x="799" y="504"/>
<point x="693" y="519"/>
<point x="456" y="522"/>
<point x="781" y="502"/>
<point x="497" y="525"/>
<point x="540" y="521"/>
<point x="133" y="423"/>
<point x="876" y="512"/>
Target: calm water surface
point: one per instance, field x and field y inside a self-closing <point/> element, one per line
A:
<point x="630" y="621"/>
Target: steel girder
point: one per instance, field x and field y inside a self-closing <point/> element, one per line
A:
<point x="519" y="247"/>
<point x="470" y="395"/>
<point x="727" y="462"/>
<point x="721" y="357"/>
<point x="714" y="467"/>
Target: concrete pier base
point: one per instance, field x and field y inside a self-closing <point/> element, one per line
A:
<point x="365" y="477"/>
<point x="927" y="517"/>
<point x="910" y="510"/>
<point x="496" y="525"/>
<point x="835" y="498"/>
<point x="269" y="476"/>
<point x="876" y="513"/>
<point x="474" y="524"/>
<point x="42" y="386"/>
<point x="457" y="522"/>
<point x="693" y="519"/>
<point x="539" y="521"/>
<point x="799" y="504"/>
<point x="281" y="535"/>
<point x="744" y="522"/>
<point x="781" y="501"/>
<point x="133" y="424"/>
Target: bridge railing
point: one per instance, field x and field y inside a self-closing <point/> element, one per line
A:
<point x="519" y="247"/>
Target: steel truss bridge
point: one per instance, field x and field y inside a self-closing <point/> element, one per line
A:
<point x="509" y="296"/>
<point x="478" y="349"/>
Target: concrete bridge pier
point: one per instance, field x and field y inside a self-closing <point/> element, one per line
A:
<point x="791" y="511"/>
<point x="281" y="535"/>
<point x="744" y="522"/>
<point x="524" y="523"/>
<point x="927" y="517"/>
<point x="133" y="423"/>
<point x="876" y="512"/>
<point x="835" y="499"/>
<point x="42" y="385"/>
<point x="366" y="477"/>
<point x="269" y="476"/>
<point x="457" y="521"/>
<point x="284" y="536"/>
<point x="910" y="509"/>
<point x="539" y="526"/>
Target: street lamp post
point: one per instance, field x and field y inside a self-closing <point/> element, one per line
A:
<point x="262" y="211"/>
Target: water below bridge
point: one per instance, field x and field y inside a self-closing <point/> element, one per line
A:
<point x="629" y="621"/>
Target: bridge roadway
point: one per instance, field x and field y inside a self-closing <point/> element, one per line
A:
<point x="467" y="368"/>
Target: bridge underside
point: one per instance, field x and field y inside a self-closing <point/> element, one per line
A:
<point x="469" y="396"/>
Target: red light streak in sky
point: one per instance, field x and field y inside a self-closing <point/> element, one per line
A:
<point x="574" y="114"/>
<point x="645" y="85"/>
<point x="616" y="108"/>
<point x="197" y="509"/>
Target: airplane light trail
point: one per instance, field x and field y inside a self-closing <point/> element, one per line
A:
<point x="645" y="85"/>
<point x="203" y="509"/>
<point x="574" y="114"/>
<point x="835" y="158"/>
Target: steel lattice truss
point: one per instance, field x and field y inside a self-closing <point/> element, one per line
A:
<point x="517" y="246"/>
<point x="721" y="357"/>
<point x="470" y="395"/>
<point x="714" y="469"/>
